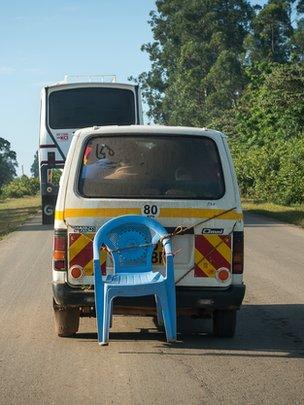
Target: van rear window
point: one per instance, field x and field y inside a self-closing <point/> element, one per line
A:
<point x="165" y="167"/>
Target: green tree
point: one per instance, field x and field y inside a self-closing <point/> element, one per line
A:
<point x="270" y="39"/>
<point x="266" y="133"/>
<point x="196" y="59"/>
<point x="272" y="105"/>
<point x="20" y="187"/>
<point x="298" y="42"/>
<point x="35" y="166"/>
<point x="8" y="162"/>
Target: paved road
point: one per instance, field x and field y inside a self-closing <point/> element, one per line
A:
<point x="263" y="364"/>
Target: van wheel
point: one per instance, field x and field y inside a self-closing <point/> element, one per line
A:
<point x="66" y="321"/>
<point x="224" y="323"/>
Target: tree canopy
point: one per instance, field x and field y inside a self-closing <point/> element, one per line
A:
<point x="35" y="166"/>
<point x="239" y="68"/>
<point x="8" y="162"/>
<point x="196" y="58"/>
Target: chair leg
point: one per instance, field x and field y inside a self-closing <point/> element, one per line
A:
<point x="172" y="304"/>
<point x="160" y="320"/>
<point x="111" y="316"/>
<point x="106" y="318"/>
<point x="168" y="317"/>
<point x="99" y="307"/>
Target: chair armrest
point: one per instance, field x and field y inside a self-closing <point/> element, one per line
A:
<point x="97" y="272"/>
<point x="170" y="266"/>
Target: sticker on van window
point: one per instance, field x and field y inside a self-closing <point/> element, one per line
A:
<point x="150" y="210"/>
<point x="213" y="231"/>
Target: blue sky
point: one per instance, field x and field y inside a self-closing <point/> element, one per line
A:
<point x="42" y="40"/>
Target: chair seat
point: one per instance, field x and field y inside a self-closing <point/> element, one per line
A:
<point x="130" y="279"/>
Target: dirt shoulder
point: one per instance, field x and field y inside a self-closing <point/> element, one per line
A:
<point x="289" y="214"/>
<point x="15" y="211"/>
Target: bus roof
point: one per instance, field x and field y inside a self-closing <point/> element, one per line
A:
<point x="64" y="85"/>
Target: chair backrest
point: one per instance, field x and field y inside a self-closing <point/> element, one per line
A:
<point x="131" y="240"/>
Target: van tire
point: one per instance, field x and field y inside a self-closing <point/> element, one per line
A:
<point x="66" y="321"/>
<point x="224" y="323"/>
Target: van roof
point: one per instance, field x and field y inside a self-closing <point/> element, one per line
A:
<point x="148" y="129"/>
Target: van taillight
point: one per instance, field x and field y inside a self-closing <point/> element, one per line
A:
<point x="59" y="249"/>
<point x="238" y="253"/>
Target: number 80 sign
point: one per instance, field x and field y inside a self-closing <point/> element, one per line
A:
<point x="150" y="210"/>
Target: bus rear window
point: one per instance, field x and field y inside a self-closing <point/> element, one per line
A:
<point x="86" y="107"/>
<point x="165" y="167"/>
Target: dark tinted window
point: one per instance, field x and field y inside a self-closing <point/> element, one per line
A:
<point x="169" y="167"/>
<point x="85" y="107"/>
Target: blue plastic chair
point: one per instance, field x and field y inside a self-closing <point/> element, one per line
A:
<point x="131" y="240"/>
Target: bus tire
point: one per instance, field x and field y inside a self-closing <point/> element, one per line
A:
<point x="224" y="323"/>
<point x="66" y="321"/>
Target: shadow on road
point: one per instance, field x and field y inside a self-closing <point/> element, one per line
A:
<point x="263" y="331"/>
<point x="258" y="220"/>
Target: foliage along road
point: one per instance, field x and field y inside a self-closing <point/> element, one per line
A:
<point x="264" y="363"/>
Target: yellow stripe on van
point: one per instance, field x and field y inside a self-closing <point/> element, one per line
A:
<point x="99" y="212"/>
<point x="164" y="213"/>
<point x="198" y="213"/>
<point x="59" y="215"/>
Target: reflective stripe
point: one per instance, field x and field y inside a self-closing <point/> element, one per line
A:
<point x="78" y="245"/>
<point x="220" y="246"/>
<point x="203" y="268"/>
<point x="211" y="252"/>
<point x="81" y="253"/>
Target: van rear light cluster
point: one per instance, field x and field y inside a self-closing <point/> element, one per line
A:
<point x="238" y="253"/>
<point x="60" y="250"/>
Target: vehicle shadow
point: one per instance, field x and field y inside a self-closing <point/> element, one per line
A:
<point x="263" y="331"/>
<point x="34" y="224"/>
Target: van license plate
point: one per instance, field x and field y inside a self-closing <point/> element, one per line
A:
<point x="158" y="255"/>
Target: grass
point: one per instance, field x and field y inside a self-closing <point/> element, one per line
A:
<point x="290" y="214"/>
<point x="15" y="211"/>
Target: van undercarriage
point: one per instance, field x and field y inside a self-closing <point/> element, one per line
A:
<point x="196" y="301"/>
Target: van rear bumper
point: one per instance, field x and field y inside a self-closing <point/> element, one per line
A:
<point x="187" y="298"/>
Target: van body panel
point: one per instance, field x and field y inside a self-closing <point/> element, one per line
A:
<point x="82" y="216"/>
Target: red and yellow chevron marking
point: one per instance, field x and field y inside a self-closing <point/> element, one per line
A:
<point x="81" y="252"/>
<point x="210" y="253"/>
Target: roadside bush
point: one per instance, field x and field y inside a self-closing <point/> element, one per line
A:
<point x="21" y="186"/>
<point x="272" y="173"/>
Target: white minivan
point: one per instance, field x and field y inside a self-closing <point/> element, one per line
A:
<point x="184" y="178"/>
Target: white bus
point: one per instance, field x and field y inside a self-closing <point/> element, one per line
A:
<point x="68" y="106"/>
